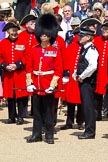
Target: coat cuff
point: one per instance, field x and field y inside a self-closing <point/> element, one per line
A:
<point x="66" y="73"/>
<point x="19" y="64"/>
<point x="3" y="65"/>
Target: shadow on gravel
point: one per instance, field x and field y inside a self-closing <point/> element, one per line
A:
<point x="105" y="136"/>
<point x="28" y="129"/>
<point x="1" y="108"/>
<point x="76" y="133"/>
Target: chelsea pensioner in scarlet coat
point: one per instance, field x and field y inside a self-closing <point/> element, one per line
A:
<point x="13" y="52"/>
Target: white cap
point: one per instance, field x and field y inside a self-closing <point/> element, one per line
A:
<point x="4" y="6"/>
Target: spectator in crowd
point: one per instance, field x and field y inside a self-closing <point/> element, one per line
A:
<point x="74" y="5"/>
<point x="82" y="14"/>
<point x="106" y="15"/>
<point x="47" y="8"/>
<point x="99" y="11"/>
<point x="62" y="4"/>
<point x="13" y="61"/>
<point x="67" y="19"/>
<point x="37" y="9"/>
<point x="69" y="35"/>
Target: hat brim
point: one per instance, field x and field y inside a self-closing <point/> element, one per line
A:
<point x="5" y="9"/>
<point x="27" y="18"/>
<point x="10" y="25"/>
<point x="89" y="22"/>
<point x="105" y="24"/>
<point x="76" y="30"/>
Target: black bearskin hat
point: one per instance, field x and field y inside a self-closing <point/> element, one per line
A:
<point x="48" y="25"/>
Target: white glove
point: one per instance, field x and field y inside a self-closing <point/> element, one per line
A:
<point x="65" y="80"/>
<point x="49" y="90"/>
<point x="31" y="88"/>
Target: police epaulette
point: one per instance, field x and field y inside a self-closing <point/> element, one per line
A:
<point x="93" y="47"/>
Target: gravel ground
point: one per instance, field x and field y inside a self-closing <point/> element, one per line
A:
<point x="67" y="147"/>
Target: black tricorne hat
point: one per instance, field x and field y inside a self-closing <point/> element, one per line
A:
<point x="89" y="22"/>
<point x="76" y="30"/>
<point x="10" y="25"/>
<point x="85" y="31"/>
<point x="47" y="24"/>
<point x="27" y="18"/>
<point x="105" y="24"/>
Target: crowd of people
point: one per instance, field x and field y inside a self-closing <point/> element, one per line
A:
<point x="54" y="54"/>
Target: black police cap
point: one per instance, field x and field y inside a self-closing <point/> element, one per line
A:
<point x="86" y="31"/>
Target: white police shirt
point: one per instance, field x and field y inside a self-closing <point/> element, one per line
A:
<point x="92" y="58"/>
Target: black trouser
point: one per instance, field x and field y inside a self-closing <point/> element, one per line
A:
<point x="71" y="114"/>
<point x="99" y="104"/>
<point x="22" y="107"/>
<point x="105" y="102"/>
<point x="43" y="107"/>
<point x="88" y="105"/>
<point x="55" y="110"/>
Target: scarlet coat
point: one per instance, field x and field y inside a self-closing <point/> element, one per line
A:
<point x="60" y="44"/>
<point x="44" y="60"/>
<point x="28" y="39"/>
<point x="72" y="91"/>
<point x="102" y="73"/>
<point x="13" y="53"/>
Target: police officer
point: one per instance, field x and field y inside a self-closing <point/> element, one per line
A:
<point x="44" y="69"/>
<point x="86" y="75"/>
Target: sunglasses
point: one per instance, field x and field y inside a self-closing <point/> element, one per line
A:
<point x="97" y="9"/>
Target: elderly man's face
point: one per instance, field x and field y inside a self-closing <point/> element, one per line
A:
<point x="13" y="33"/>
<point x="31" y="24"/>
<point x="105" y="32"/>
<point x="67" y="11"/>
<point x="84" y="4"/>
<point x="106" y="15"/>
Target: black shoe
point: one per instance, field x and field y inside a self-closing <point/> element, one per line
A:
<point x="20" y="121"/>
<point x="10" y="121"/>
<point x="86" y="136"/>
<point x="34" y="139"/>
<point x="50" y="141"/>
<point x="65" y="127"/>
